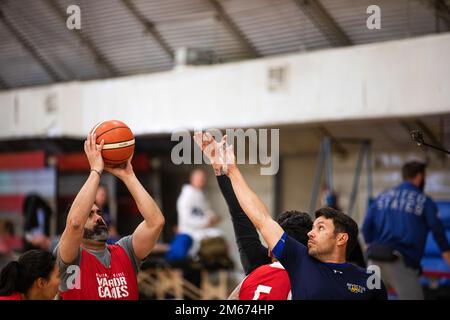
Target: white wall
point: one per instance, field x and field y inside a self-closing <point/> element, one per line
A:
<point x="391" y="79"/>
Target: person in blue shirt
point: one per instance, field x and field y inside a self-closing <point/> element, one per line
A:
<point x="396" y="227"/>
<point x="319" y="270"/>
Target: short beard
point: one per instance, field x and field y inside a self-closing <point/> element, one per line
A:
<point x="318" y="254"/>
<point x="314" y="253"/>
<point x="100" y="235"/>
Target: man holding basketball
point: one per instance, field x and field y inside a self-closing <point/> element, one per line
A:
<point x="91" y="269"/>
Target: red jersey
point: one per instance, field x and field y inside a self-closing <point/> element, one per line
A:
<point x="267" y="282"/>
<point x="97" y="282"/>
<point x="13" y="296"/>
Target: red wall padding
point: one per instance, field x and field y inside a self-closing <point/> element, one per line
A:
<point x="22" y="160"/>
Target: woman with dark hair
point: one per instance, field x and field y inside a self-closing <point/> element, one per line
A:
<point x="35" y="276"/>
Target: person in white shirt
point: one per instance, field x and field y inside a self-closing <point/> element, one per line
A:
<point x="195" y="216"/>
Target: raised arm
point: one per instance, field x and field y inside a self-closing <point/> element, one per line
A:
<point x="252" y="205"/>
<point x="252" y="253"/>
<point x="79" y="212"/>
<point x="148" y="231"/>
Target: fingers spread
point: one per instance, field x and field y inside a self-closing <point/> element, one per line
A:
<point x="207" y="136"/>
<point x="229" y="153"/>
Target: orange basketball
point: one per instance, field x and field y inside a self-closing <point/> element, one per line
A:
<point x="119" y="141"/>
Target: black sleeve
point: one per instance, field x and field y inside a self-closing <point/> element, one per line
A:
<point x="253" y="254"/>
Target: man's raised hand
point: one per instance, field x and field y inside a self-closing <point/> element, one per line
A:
<point x="121" y="171"/>
<point x="94" y="153"/>
<point x="214" y="151"/>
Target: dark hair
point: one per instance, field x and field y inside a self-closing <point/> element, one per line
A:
<point x="342" y="223"/>
<point x="19" y="276"/>
<point x="34" y="203"/>
<point x="296" y="224"/>
<point x="411" y="169"/>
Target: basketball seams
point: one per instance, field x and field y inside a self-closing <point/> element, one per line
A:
<point x="119" y="143"/>
<point x="106" y="159"/>
<point x="97" y="125"/>
<point x="113" y="129"/>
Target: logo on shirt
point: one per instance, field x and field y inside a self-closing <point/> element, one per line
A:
<point x="197" y="212"/>
<point x="114" y="286"/>
<point x="354" y="288"/>
<point x="409" y="201"/>
<point x="337" y="271"/>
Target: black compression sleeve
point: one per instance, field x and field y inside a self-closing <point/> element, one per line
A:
<point x="252" y="253"/>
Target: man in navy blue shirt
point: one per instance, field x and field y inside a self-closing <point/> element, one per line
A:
<point x="320" y="270"/>
<point x="396" y="228"/>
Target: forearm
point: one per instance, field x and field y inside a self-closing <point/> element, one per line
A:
<point x="230" y="197"/>
<point x="255" y="209"/>
<point x="77" y="217"/>
<point x="147" y="206"/>
<point x="252" y="253"/>
<point x="82" y="205"/>
<point x="148" y="231"/>
<point x="252" y="206"/>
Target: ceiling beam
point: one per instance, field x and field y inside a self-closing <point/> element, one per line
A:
<point x="235" y="30"/>
<point x="405" y="125"/>
<point x="86" y="40"/>
<point x="440" y="8"/>
<point x="149" y="27"/>
<point x="23" y="40"/>
<point x="320" y="17"/>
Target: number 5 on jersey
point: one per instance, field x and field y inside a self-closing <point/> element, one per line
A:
<point x="261" y="289"/>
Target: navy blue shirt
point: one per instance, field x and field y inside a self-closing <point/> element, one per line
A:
<point x="313" y="279"/>
<point x="401" y="218"/>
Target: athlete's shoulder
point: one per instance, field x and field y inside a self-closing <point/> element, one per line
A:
<point x="359" y="271"/>
<point x="274" y="267"/>
<point x="356" y="268"/>
<point x="116" y="248"/>
<point x="267" y="282"/>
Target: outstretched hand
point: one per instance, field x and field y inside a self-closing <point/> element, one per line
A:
<point x="214" y="151"/>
